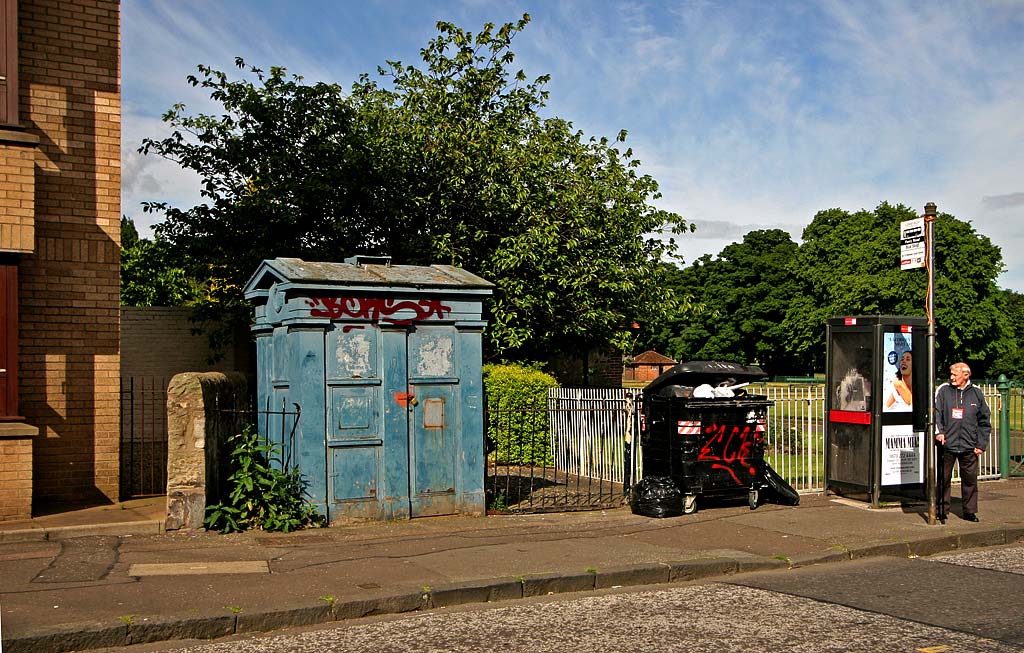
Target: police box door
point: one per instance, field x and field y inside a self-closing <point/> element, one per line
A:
<point x="392" y="421"/>
<point x="434" y="422"/>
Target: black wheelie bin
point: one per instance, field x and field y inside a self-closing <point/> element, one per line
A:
<point x="703" y="430"/>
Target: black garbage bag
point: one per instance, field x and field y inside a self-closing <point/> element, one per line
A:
<point x="656" y="496"/>
<point x="775" y="489"/>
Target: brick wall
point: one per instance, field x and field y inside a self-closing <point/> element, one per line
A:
<point x="69" y="65"/>
<point x="17" y="194"/>
<point x="15" y="477"/>
<point x="157" y="342"/>
<point x="603" y="370"/>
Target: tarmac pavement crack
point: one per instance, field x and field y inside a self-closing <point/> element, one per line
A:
<point x="81" y="560"/>
<point x="71" y="585"/>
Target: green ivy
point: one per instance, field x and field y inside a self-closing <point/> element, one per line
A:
<point x="262" y="496"/>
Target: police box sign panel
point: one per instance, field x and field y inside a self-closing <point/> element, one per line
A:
<point x="902" y="455"/>
<point x="912" y="246"/>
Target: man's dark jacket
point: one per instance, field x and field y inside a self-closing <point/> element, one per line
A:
<point x="970" y="431"/>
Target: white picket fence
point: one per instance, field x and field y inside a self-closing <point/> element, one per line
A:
<point x="593" y="431"/>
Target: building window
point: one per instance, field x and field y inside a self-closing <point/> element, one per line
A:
<point x="8" y="337"/>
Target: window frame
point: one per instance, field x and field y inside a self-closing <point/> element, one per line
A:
<point x="9" y="62"/>
<point x="8" y="338"/>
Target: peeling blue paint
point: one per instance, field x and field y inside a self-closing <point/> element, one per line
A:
<point x="385" y="363"/>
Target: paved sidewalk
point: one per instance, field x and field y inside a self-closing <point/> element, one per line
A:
<point x="108" y="577"/>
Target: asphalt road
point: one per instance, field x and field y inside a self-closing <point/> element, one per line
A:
<point x="960" y="602"/>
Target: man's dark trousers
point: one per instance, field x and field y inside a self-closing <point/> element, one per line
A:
<point x="968" y="479"/>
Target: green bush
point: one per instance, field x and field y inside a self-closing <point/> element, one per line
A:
<point x="517" y="408"/>
<point x="261" y="496"/>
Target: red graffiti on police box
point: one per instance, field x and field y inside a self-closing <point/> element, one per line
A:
<point x="730" y="448"/>
<point x="388" y="310"/>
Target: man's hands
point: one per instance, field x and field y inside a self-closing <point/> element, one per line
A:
<point x="941" y="439"/>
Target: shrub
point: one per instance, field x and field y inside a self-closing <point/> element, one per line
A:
<point x="262" y="496"/>
<point x="517" y="408"/>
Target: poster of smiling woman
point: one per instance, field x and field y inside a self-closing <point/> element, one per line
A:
<point x="897" y="373"/>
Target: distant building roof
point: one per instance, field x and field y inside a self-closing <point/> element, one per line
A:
<point x="650" y="357"/>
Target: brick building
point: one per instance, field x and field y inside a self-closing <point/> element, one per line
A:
<point x="60" y="126"/>
<point x="646" y="367"/>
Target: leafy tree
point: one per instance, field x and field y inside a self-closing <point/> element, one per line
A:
<point x="150" y="276"/>
<point x="744" y="293"/>
<point x="284" y="173"/>
<point x="450" y="163"/>
<point x="1011" y="361"/>
<point x="848" y="265"/>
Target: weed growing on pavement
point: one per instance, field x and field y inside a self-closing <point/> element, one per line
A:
<point x="591" y="570"/>
<point x="127" y="619"/>
<point x="263" y="494"/>
<point x="329" y="600"/>
<point x="233" y="609"/>
<point x="498" y="502"/>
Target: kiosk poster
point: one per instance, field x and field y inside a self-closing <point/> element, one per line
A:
<point x="902" y="455"/>
<point x="897" y="369"/>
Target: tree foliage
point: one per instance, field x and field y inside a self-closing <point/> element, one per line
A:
<point x="451" y="162"/>
<point x="848" y="264"/>
<point x="282" y="173"/>
<point x="744" y="294"/>
<point x="1010" y="360"/>
<point x="150" y="273"/>
<point x="766" y="300"/>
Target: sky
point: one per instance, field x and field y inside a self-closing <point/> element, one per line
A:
<point x="749" y="114"/>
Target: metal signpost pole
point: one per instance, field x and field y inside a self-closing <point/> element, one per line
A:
<point x="929" y="439"/>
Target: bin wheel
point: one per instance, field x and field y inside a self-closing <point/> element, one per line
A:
<point x="690" y="504"/>
<point x="753" y="498"/>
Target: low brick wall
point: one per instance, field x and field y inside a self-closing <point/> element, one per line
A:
<point x="203" y="411"/>
<point x="16" y="470"/>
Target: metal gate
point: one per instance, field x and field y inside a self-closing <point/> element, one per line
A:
<point x="571" y="452"/>
<point x="1015" y="415"/>
<point x="143" y="437"/>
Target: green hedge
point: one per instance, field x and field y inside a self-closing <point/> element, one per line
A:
<point x="517" y="408"/>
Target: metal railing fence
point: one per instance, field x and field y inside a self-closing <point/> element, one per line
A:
<point x="143" y="465"/>
<point x="796" y="434"/>
<point x="581" y="445"/>
<point x="570" y="451"/>
<point x="1015" y="425"/>
<point x="590" y="430"/>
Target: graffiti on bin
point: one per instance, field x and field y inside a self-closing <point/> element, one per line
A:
<point x="726" y="447"/>
<point x="387" y="310"/>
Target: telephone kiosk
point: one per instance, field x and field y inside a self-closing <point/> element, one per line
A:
<point x="876" y="406"/>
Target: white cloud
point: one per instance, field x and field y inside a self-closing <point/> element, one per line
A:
<point x="750" y="115"/>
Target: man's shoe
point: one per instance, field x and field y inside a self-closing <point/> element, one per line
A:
<point x="970" y="516"/>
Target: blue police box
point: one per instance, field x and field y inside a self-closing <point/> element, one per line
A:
<point x="382" y="363"/>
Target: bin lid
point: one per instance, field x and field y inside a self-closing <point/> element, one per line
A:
<point x="695" y="373"/>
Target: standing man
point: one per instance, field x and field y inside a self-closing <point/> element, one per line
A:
<point x="963" y="425"/>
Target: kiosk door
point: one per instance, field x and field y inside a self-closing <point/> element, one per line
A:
<point x="850" y="385"/>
